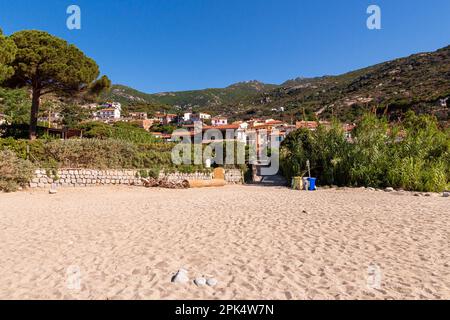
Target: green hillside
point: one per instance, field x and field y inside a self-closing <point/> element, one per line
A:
<point x="417" y="82"/>
<point x="207" y="99"/>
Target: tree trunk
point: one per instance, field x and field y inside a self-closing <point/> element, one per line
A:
<point x="35" y="101"/>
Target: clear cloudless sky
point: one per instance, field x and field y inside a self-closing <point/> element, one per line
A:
<point x="170" y="45"/>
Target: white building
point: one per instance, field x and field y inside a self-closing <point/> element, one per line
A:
<point x="115" y="105"/>
<point x="112" y="105"/>
<point x="108" y="114"/>
<point x="193" y="117"/>
<point x="109" y="111"/>
<point x="204" y="116"/>
<point x="219" y="121"/>
<point x="187" y="116"/>
<point x="241" y="133"/>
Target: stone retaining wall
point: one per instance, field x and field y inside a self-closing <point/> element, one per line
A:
<point x="87" y="177"/>
<point x="234" y="176"/>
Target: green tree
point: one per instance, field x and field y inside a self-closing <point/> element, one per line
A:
<point x="98" y="86"/>
<point x="48" y="64"/>
<point x="8" y="51"/>
<point x="15" y="104"/>
<point x="72" y="115"/>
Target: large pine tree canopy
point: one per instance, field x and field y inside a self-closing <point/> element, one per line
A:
<point x="47" y="64"/>
<point x="7" y="53"/>
<point x="50" y="64"/>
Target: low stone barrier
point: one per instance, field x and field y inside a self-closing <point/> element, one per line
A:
<point x="234" y="176"/>
<point x="90" y="177"/>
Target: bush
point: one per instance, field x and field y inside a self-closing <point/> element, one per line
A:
<point x="119" y="131"/>
<point x="327" y="150"/>
<point x="414" y="155"/>
<point x="98" y="154"/>
<point x="14" y="172"/>
<point x="91" y="153"/>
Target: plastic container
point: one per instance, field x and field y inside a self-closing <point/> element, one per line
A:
<point x="297" y="183"/>
<point x="305" y="182"/>
<point x="311" y="184"/>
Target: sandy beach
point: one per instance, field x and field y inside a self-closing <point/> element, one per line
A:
<point x="258" y="242"/>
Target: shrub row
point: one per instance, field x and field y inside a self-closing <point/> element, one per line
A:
<point x="414" y="155"/>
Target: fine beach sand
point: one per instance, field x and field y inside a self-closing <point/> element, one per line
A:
<point x="258" y="242"/>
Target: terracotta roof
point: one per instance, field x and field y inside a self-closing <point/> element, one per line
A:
<point x="223" y="127"/>
<point x="275" y="122"/>
<point x="182" y="133"/>
<point x="310" y="124"/>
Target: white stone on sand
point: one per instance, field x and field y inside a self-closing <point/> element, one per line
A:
<point x="211" y="282"/>
<point x="200" y="282"/>
<point x="181" y="276"/>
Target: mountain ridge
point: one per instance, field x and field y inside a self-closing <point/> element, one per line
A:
<point x="416" y="82"/>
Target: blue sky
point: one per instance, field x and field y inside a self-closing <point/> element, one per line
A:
<point x="169" y="45"/>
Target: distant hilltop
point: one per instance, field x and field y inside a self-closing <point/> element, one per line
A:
<point x="420" y="82"/>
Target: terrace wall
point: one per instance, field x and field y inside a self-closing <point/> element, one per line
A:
<point x="90" y="177"/>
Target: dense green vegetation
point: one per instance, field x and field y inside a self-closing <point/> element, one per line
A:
<point x="15" y="104"/>
<point x="14" y="171"/>
<point x="206" y="99"/>
<point x="122" y="152"/>
<point x="164" y="128"/>
<point x="91" y="153"/>
<point x="8" y="51"/>
<point x="120" y="131"/>
<point x="414" y="155"/>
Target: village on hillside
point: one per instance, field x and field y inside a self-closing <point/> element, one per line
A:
<point x="112" y="112"/>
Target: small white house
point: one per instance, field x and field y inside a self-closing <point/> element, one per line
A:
<point x="204" y="116"/>
<point x="108" y="113"/>
<point x="219" y="121"/>
<point x="193" y="117"/>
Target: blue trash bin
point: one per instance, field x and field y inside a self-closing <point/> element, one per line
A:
<point x="312" y="184"/>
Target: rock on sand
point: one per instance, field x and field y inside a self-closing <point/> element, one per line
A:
<point x="181" y="276"/>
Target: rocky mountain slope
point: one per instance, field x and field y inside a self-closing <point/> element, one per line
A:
<point x="420" y="82"/>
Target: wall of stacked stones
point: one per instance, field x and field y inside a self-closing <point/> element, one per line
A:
<point x="86" y="177"/>
<point x="234" y="176"/>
